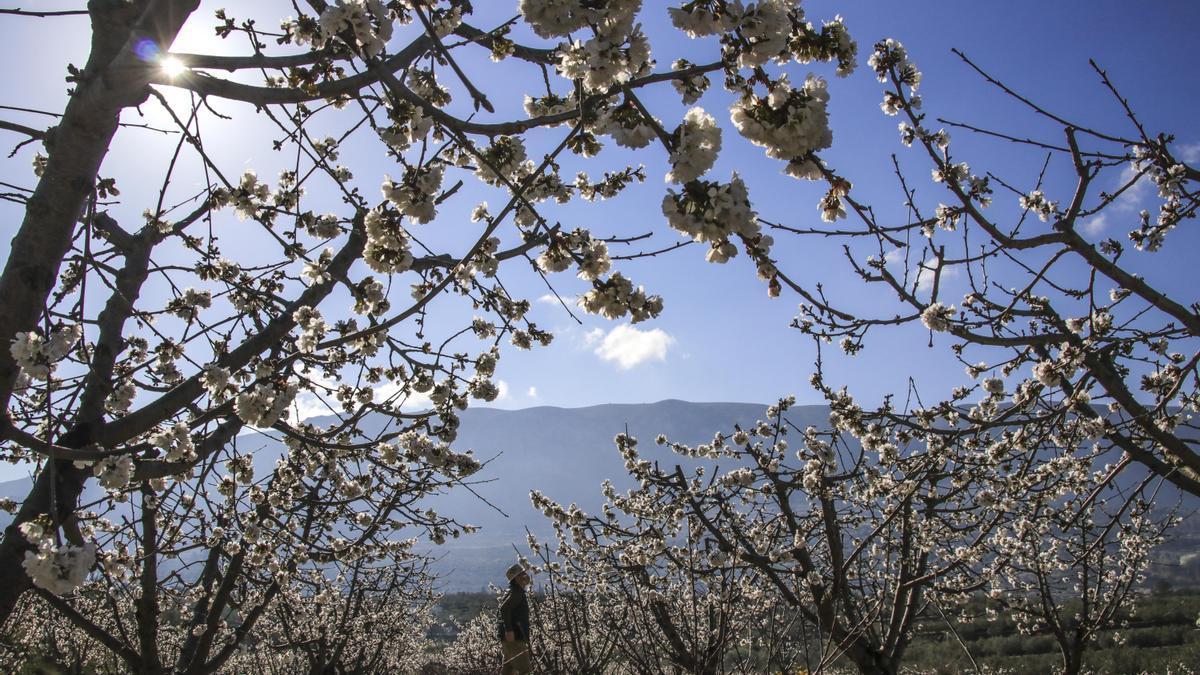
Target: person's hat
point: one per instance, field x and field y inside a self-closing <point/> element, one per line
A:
<point x="515" y="571"/>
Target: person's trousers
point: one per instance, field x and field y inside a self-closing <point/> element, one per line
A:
<point x="516" y="658"/>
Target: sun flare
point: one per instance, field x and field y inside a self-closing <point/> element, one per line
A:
<point x="173" y="67"/>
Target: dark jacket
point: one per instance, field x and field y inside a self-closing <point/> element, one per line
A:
<point x="514" y="613"/>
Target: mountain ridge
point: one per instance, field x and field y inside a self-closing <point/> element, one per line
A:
<point x="563" y="452"/>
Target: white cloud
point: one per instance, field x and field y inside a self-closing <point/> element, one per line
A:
<point x="532" y="393"/>
<point x="926" y="273"/>
<point x="627" y="346"/>
<point x="1188" y="152"/>
<point x="923" y="272"/>
<point x="593" y="336"/>
<point x="1131" y="199"/>
<point x="415" y="401"/>
<point x="307" y="405"/>
<point x="1095" y="225"/>
<point x="503" y="387"/>
<point x="548" y="299"/>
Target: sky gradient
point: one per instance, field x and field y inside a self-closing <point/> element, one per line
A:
<point x="720" y="337"/>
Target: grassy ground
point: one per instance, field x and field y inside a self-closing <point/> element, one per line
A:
<point x="1160" y="637"/>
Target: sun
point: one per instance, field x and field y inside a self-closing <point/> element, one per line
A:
<point x="172" y="66"/>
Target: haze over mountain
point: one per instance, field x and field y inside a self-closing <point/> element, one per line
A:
<point x="564" y="452"/>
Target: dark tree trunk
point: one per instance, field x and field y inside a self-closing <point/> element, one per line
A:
<point x="114" y="79"/>
<point x="66" y="483"/>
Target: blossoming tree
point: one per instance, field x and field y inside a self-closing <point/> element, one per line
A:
<point x="143" y="339"/>
<point x="1057" y="321"/>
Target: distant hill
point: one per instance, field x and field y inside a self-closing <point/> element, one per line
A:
<point x="564" y="452"/>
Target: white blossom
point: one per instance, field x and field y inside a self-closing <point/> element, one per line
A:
<point x="698" y="140"/>
<point x="38" y="356"/>
<point x="265" y="403"/>
<point x="114" y="472"/>
<point x="938" y="317"/>
<point x="59" y="569"/>
<point x="790" y="123"/>
<point x="388" y="249"/>
<point x="367" y="20"/>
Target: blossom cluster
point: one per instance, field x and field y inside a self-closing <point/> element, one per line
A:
<point x="59" y="569"/>
<point x="697" y="142"/>
<point x="616" y="296"/>
<point x="38" y="356"/>
<point x="175" y="442"/>
<point x="1037" y="203"/>
<point x="501" y="160"/>
<point x="367" y="20"/>
<point x="420" y="448"/>
<point x="578" y="246"/>
<point x="114" y="472"/>
<point x="890" y="59"/>
<point x="388" y="249"/>
<point x="617" y="51"/>
<point x="415" y="194"/>
<point x="247" y="198"/>
<point x="627" y="125"/>
<point x="265" y="403"/>
<point x="312" y="328"/>
<point x="938" y="317"/>
<point x="711" y="213"/>
<point x="790" y="123"/>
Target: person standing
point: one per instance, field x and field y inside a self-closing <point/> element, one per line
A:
<point x="514" y="623"/>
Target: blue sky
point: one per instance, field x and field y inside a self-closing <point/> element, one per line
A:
<point x="720" y="338"/>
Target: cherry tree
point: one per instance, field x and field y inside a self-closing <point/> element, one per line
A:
<point x="888" y="518"/>
<point x="1070" y="567"/>
<point x="43" y="636"/>
<point x="145" y="338"/>
<point x="475" y="648"/>
<point x="1078" y="381"/>
<point x="366" y="618"/>
<point x="1057" y="321"/>
<point x="185" y="581"/>
<point x="856" y="530"/>
<point x="572" y="628"/>
<point x="665" y="607"/>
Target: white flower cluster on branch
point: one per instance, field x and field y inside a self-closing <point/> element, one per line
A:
<point x="790" y="123"/>
<point x="59" y="569"/>
<point x="712" y="213"/>
<point x="266" y="402"/>
<point x="367" y="20"/>
<point x="388" y="250"/>
<point x="616" y="296"/>
<point x="114" y="472"/>
<point x="415" y="193"/>
<point x="697" y="142"/>
<point x="38" y="356"/>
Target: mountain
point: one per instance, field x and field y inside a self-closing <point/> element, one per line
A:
<point x="566" y="453"/>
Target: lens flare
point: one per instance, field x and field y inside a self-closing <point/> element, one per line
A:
<point x="147" y="50"/>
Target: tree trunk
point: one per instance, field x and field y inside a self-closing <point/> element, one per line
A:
<point x="871" y="662"/>
<point x="115" y="78"/>
<point x="66" y="483"/>
<point x="1073" y="659"/>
